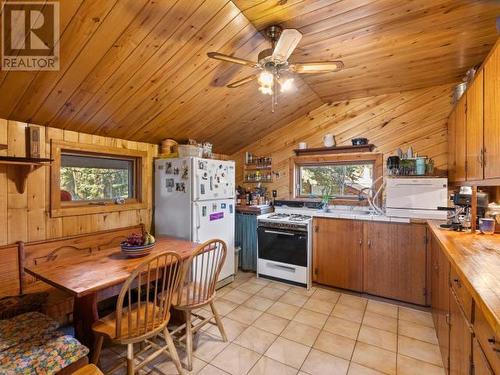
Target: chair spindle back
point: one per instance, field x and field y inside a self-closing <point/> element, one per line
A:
<point x="156" y="281"/>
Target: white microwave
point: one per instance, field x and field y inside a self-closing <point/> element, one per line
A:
<point x="416" y="197"/>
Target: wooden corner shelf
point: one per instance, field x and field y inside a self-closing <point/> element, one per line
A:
<point x="334" y="150"/>
<point x="24" y="166"/>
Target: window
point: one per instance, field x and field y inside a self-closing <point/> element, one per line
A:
<point x="96" y="178"/>
<point x="89" y="179"/>
<point x="342" y="176"/>
<point x="338" y="180"/>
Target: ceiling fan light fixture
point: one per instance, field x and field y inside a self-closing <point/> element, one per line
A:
<point x="266" y="90"/>
<point x="266" y="79"/>
<point x="286" y="84"/>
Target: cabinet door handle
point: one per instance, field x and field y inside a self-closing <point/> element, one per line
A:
<point x="360" y="242"/>
<point x="369" y="244"/>
<point x="457" y="282"/>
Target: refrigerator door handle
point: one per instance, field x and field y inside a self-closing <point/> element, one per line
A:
<point x="198" y="224"/>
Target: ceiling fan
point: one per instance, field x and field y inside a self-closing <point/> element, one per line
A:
<point x="273" y="63"/>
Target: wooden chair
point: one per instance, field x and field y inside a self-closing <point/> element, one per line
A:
<point x="197" y="289"/>
<point x="156" y="280"/>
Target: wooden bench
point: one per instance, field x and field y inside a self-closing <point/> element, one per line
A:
<point x="59" y="303"/>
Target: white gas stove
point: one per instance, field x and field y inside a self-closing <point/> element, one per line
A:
<point x="284" y="247"/>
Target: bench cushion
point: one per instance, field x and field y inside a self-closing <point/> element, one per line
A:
<point x="45" y="354"/>
<point x="23" y="328"/>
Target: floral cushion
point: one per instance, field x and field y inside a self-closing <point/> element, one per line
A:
<point x="44" y="355"/>
<point x="15" y="305"/>
<point x="24" y="327"/>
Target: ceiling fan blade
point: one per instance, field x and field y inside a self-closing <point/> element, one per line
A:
<point x="242" y="81"/>
<point x="287" y="42"/>
<point x="232" y="59"/>
<point x="317" y="67"/>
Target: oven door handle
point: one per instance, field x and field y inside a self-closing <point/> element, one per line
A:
<point x="288" y="268"/>
<point x="278" y="232"/>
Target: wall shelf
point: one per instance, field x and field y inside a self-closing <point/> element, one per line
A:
<point x="24" y="166"/>
<point x="334" y="150"/>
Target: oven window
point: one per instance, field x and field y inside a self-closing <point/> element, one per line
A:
<point x="338" y="180"/>
<point x="283" y="246"/>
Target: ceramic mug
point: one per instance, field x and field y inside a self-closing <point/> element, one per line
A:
<point x="329" y="140"/>
<point x="302" y="145"/>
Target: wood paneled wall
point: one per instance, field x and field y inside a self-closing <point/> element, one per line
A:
<point x="416" y="118"/>
<point x="25" y="217"/>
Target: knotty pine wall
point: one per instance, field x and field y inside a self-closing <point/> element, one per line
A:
<point x="417" y="118"/>
<point x="26" y="216"/>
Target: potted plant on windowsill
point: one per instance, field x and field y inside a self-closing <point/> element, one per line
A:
<point x="326" y="197"/>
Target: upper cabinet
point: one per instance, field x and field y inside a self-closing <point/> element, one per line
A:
<point x="492" y="115"/>
<point x="474" y="127"/>
<point x="474" y="131"/>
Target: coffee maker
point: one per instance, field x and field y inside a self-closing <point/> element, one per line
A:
<point x="459" y="216"/>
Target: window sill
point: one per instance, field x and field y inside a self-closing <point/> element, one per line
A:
<point x="89" y="209"/>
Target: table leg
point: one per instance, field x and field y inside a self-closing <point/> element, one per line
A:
<point x="84" y="315"/>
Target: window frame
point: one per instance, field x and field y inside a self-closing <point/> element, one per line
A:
<point x="73" y="208"/>
<point x="376" y="159"/>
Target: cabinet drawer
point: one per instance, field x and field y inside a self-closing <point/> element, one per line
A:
<point x="464" y="298"/>
<point x="489" y="342"/>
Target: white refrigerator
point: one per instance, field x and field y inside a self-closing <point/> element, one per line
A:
<point x="195" y="200"/>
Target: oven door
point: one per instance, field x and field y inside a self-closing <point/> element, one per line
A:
<point x="284" y="246"/>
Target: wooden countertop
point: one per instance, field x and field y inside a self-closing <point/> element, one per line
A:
<point x="255" y="210"/>
<point x="476" y="258"/>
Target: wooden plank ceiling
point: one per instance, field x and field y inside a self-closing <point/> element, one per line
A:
<point x="137" y="69"/>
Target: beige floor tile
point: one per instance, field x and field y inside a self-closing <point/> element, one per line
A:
<point x="224" y="306"/>
<point x="235" y="359"/>
<point x="255" y="339"/>
<point x="250" y="287"/>
<point x="271" y="293"/>
<point x="268" y="366"/>
<point x="206" y="346"/>
<point x="244" y="315"/>
<point x="232" y="327"/>
<point x="211" y="370"/>
<point x="382" y="308"/>
<point x="419" y="350"/>
<point x="336" y="345"/>
<point x="416" y="316"/>
<point x="259" y="303"/>
<point x="271" y="323"/>
<point x="417" y="331"/>
<point x="237" y="296"/>
<point x="357" y="369"/>
<point x="381" y="322"/>
<point x="289" y="352"/>
<point x="311" y="318"/>
<point x="378" y="337"/>
<point x="320" y="306"/>
<point x="167" y="367"/>
<point x="326" y="295"/>
<point x="374" y="357"/>
<point x="353" y="301"/>
<point x="293" y="299"/>
<point x="342" y="327"/>
<point x="302" y="291"/>
<point x="220" y="292"/>
<point x="283" y="310"/>
<point x="260" y="280"/>
<point x="411" y="366"/>
<point x="278" y="285"/>
<point x="348" y="313"/>
<point x="319" y="363"/>
<point x="300" y="333"/>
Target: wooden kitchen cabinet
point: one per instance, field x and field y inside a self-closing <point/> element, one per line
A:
<point x="460" y="139"/>
<point x="452" y="162"/>
<point x="492" y="115"/>
<point x="481" y="365"/>
<point x="338" y="253"/>
<point x="440" y="298"/>
<point x="460" y="339"/>
<point x="474" y="129"/>
<point x="395" y="261"/>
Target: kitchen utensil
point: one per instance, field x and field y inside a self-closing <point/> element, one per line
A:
<point x="302" y="145"/>
<point x="487" y="225"/>
<point x="409" y="153"/>
<point x="329" y="140"/>
<point x="359" y="141"/>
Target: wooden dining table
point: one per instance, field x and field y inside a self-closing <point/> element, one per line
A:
<point x="90" y="278"/>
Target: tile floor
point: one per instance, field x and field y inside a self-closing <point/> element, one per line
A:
<point x="274" y="328"/>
